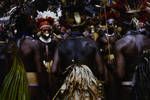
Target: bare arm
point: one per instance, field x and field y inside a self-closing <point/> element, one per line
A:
<point x="55" y="63"/>
<point x="120" y="70"/>
<point x="37" y="59"/>
<point x="120" y="47"/>
<point x="100" y="65"/>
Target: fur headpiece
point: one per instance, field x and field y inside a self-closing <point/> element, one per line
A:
<point x="46" y="18"/>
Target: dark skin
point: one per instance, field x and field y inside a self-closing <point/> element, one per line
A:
<point x="128" y="54"/>
<point x="106" y="42"/>
<point x="76" y="50"/>
<point x="106" y="45"/>
<point x="129" y="47"/>
<point x="30" y="54"/>
<point x="28" y="47"/>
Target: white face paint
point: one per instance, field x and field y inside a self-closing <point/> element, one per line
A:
<point x="46" y="31"/>
<point x="47" y="34"/>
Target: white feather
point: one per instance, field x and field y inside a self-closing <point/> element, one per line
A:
<point x="47" y="14"/>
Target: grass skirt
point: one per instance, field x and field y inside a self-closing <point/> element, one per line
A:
<point x="80" y="84"/>
<point x="142" y="81"/>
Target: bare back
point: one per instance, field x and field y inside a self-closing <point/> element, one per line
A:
<point x="129" y="51"/>
<point x="77" y="50"/>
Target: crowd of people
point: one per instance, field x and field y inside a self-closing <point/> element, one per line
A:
<point x="79" y="50"/>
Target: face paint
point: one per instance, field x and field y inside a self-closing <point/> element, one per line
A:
<point x="46" y="32"/>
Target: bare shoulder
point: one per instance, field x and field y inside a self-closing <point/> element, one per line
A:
<point x="31" y="42"/>
<point x="124" y="41"/>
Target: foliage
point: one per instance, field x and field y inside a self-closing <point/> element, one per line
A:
<point x="15" y="85"/>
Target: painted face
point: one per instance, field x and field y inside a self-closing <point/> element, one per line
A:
<point x="46" y="31"/>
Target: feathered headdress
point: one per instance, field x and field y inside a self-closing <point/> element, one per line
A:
<point x="134" y="6"/>
<point x="46" y="18"/>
